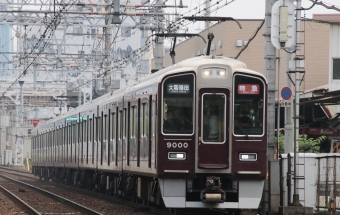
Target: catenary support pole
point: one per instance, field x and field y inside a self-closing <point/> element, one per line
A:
<point x="270" y="72"/>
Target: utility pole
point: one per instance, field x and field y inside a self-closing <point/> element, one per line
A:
<point x="159" y="48"/>
<point x="107" y="35"/>
<point x="19" y="144"/>
<point x="270" y="72"/>
<point x="289" y="126"/>
<point x="298" y="67"/>
<point x="207" y="13"/>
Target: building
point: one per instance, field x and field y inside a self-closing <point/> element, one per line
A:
<point x="5" y="49"/>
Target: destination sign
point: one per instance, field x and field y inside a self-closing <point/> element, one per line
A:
<point x="248" y="89"/>
<point x="178" y="88"/>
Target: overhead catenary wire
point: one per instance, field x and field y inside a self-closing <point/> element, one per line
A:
<point x="51" y="26"/>
<point x="121" y="61"/>
<point x="250" y="39"/>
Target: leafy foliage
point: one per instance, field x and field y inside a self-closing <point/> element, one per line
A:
<point x="305" y="144"/>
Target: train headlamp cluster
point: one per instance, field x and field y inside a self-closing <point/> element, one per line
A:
<point x="248" y="156"/>
<point x="214" y="73"/>
<point x="177" y="156"/>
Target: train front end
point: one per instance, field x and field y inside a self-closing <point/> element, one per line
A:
<point x="212" y="143"/>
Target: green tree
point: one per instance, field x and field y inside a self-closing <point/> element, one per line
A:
<point x="305" y="144"/>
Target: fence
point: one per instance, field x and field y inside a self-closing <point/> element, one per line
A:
<point x="328" y="180"/>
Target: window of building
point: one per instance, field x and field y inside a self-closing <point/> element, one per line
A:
<point x="126" y="32"/>
<point x="336" y="68"/>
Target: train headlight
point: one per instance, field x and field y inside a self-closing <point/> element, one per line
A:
<point x="206" y="73"/>
<point x="177" y="156"/>
<point x="221" y="73"/>
<point x="248" y="156"/>
<point x="214" y="73"/>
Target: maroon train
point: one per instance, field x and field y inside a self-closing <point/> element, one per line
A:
<point x="192" y="135"/>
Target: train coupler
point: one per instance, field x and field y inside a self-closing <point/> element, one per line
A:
<point x="213" y="193"/>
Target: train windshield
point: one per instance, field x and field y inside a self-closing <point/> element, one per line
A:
<point x="248" y="105"/>
<point x="178" y="101"/>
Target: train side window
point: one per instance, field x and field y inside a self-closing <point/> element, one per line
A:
<point x="55" y="132"/>
<point x="81" y="141"/>
<point x="68" y="143"/>
<point x="117" y="135"/>
<point x="124" y="123"/>
<point x="150" y="127"/>
<point x="112" y="135"/>
<point x="74" y="140"/>
<point x="138" y="124"/>
<point x="64" y="143"/>
<point x="95" y="137"/>
<point x="104" y="140"/>
<point x="108" y="138"/>
<point x="47" y="144"/>
<point x="54" y="138"/>
<point x="133" y="118"/>
<point x="128" y="135"/>
<point x="89" y="146"/>
<point x="86" y="139"/>
<point x="120" y="117"/>
<point x="90" y="140"/>
<point x="144" y="119"/>
<point x="50" y="143"/>
<point x="113" y="126"/>
<point x="154" y="117"/>
<point x="102" y="135"/>
<point x="248" y="105"/>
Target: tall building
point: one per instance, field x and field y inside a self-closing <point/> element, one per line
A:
<point x="5" y="49"/>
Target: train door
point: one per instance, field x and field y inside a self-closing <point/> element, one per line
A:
<point x="213" y="145"/>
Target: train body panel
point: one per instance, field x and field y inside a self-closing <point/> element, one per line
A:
<point x="193" y="135"/>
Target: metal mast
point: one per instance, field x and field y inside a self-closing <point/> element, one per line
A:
<point x="159" y="48"/>
<point x="19" y="143"/>
<point x="270" y="72"/>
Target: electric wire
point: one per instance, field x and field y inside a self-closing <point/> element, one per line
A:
<point x="250" y="39"/>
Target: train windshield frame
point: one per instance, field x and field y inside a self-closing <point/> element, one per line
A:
<point x="178" y="104"/>
<point x="248" y="105"/>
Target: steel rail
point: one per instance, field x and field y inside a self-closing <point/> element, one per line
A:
<point x="71" y="203"/>
<point x="29" y="209"/>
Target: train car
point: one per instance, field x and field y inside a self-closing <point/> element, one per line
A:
<point x="192" y="135"/>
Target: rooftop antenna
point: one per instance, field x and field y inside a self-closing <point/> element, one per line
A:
<point x="211" y="19"/>
<point x="175" y="35"/>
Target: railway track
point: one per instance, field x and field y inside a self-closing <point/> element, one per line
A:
<point x="35" y="200"/>
<point x="135" y="206"/>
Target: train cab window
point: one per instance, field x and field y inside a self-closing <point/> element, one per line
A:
<point x="248" y="105"/>
<point x="177" y="107"/>
<point x="214" y="118"/>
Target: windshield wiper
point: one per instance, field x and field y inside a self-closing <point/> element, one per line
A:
<point x="242" y="129"/>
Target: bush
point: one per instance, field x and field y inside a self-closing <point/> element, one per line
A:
<point x="305" y="144"/>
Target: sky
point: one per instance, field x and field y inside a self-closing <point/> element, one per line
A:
<point x="243" y="9"/>
<point x="248" y="9"/>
